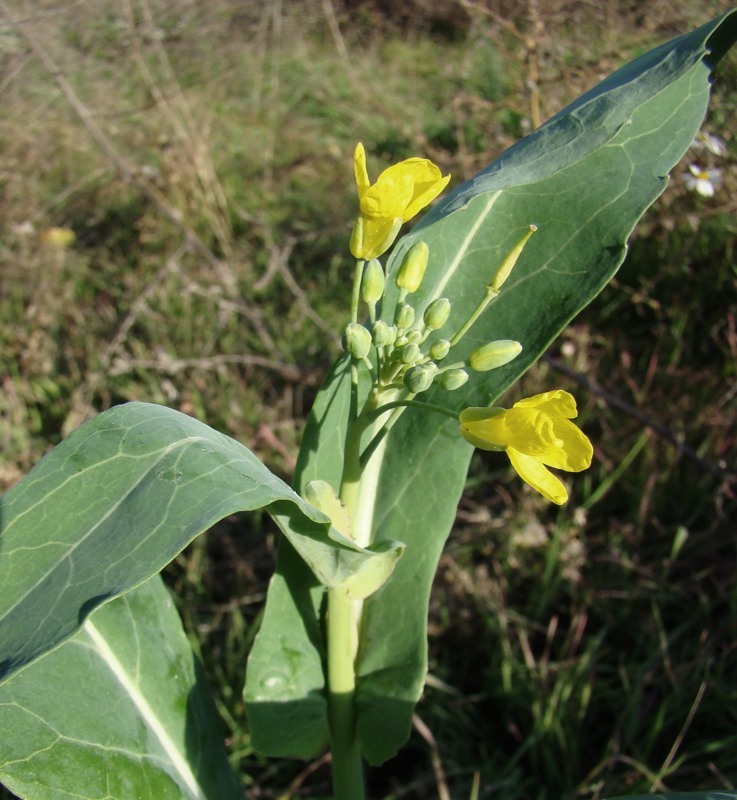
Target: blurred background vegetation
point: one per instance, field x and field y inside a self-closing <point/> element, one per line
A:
<point x="201" y="155"/>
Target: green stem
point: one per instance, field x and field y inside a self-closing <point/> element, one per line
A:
<point x="342" y="645"/>
<point x="489" y="295"/>
<point x="348" y="781"/>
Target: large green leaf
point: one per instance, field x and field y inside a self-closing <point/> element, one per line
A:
<point x="584" y="178"/>
<point x="285" y="681"/>
<point x="120" y="710"/>
<point x="115" y="502"/>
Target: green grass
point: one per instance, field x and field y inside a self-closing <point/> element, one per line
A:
<point x="586" y="652"/>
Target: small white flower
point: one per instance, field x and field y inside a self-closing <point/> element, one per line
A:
<point x="707" y="141"/>
<point x="702" y="180"/>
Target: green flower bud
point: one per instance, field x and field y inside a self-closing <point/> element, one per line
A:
<point x="356" y="340"/>
<point x="404" y="316"/>
<point x="412" y="270"/>
<point x="494" y="354"/>
<point x="372" y="282"/>
<point x="415" y="337"/>
<point x="383" y="334"/>
<point x="508" y="264"/>
<point x="437" y="313"/>
<point x="439" y="350"/>
<point x="410" y="354"/>
<point x="452" y="379"/>
<point x="419" y="378"/>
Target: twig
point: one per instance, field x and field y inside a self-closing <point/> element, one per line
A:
<point x="682" y="733"/>
<point x="437" y="764"/>
<point x="173" y="105"/>
<point x="617" y="402"/>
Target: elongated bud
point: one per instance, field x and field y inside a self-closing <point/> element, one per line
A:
<point x="412" y="270"/>
<point x="494" y="354"/>
<point x="508" y="264"/>
<point x="356" y="340"/>
<point x="383" y="334"/>
<point x="373" y="282"/>
<point x="439" y="350"/>
<point x="452" y="379"/>
<point x="437" y="313"/>
<point x="419" y="379"/>
<point x="404" y="316"/>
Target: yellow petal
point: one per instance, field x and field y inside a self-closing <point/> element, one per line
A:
<point x="556" y="403"/>
<point x="536" y="475"/>
<point x="576" y="451"/>
<point x="360" y="171"/>
<point x="484" y="427"/>
<point x="530" y="431"/>
<point x="373" y="236"/>
<point x="425" y="177"/>
<point x="388" y="197"/>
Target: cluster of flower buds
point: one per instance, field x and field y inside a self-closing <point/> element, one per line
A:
<point x="404" y="357"/>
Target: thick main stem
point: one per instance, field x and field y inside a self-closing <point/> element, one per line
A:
<point x="348" y="782"/>
<point x="342" y="644"/>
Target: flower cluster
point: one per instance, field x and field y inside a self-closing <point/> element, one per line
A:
<point x="536" y="433"/>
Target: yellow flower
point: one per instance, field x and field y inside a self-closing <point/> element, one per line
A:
<point x="536" y="433"/>
<point x="58" y="237"/>
<point x="398" y="194"/>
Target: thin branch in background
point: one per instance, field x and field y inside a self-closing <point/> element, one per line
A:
<point x="172" y="104"/>
<point x="81" y="403"/>
<point x="437" y="763"/>
<point x="616" y="402"/>
<point x="332" y="20"/>
<point x="684" y="728"/>
<point x="532" y="43"/>
<point x="278" y="259"/>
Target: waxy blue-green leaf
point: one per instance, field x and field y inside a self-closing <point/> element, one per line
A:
<point x="584" y="178"/>
<point x="120" y="710"/>
<point x="115" y="502"/>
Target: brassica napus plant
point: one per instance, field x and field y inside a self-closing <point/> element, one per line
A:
<point x="100" y="693"/>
